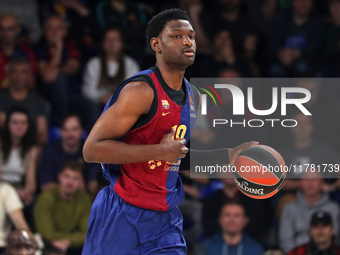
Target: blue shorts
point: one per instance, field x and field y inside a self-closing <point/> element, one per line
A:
<point x="118" y="228"/>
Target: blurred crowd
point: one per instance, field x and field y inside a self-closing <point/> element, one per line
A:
<point x="60" y="62"/>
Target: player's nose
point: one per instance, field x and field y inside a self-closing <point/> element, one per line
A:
<point x="187" y="41"/>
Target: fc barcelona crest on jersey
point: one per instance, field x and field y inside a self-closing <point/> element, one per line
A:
<point x="191" y="101"/>
<point x="192" y="107"/>
<point x="165" y="104"/>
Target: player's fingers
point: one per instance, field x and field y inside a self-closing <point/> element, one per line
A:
<point x="183" y="141"/>
<point x="248" y="144"/>
<point x="184" y="150"/>
<point x="171" y="133"/>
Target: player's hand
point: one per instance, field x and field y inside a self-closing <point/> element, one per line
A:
<point x="233" y="153"/>
<point x="173" y="149"/>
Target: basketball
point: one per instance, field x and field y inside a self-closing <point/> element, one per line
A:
<point x="259" y="172"/>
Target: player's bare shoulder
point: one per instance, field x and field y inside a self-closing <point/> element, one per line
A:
<point x="140" y="88"/>
<point x="137" y="93"/>
<point x="134" y="100"/>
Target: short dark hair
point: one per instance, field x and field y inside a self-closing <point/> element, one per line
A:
<point x="159" y="21"/>
<point x="229" y="203"/>
<point x="76" y="165"/>
<point x="68" y="116"/>
<point x="10" y="14"/>
<point x="53" y="17"/>
<point x="16" y="61"/>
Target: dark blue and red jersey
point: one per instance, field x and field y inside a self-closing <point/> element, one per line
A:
<point x="155" y="184"/>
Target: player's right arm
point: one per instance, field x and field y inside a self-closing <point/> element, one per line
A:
<point x="102" y="146"/>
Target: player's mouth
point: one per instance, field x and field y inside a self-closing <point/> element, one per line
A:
<point x="189" y="52"/>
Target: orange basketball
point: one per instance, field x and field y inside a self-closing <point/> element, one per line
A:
<point x="260" y="171"/>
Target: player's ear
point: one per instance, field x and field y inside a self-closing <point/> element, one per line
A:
<point x="155" y="44"/>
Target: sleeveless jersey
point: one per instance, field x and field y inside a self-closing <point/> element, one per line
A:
<point x="155" y="184"/>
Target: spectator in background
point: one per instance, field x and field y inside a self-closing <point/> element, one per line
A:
<point x="224" y="56"/>
<point x="191" y="208"/>
<point x="28" y="16"/>
<point x="305" y="151"/>
<point x="103" y="74"/>
<point x="232" y="239"/>
<point x="10" y="212"/>
<point x="72" y="11"/>
<point x="76" y="14"/>
<point x="230" y="18"/>
<point x="321" y="235"/>
<point x="61" y="213"/>
<point x="19" y="94"/>
<point x="295" y="40"/>
<point x="19" y="155"/>
<point x="202" y="19"/>
<point x="332" y="36"/>
<point x="69" y="147"/>
<point x="21" y="242"/>
<point x="10" y="48"/>
<point x="251" y="53"/>
<point x="129" y="17"/>
<point x="269" y="10"/>
<point x="331" y="48"/>
<point x="236" y="133"/>
<point x="58" y="61"/>
<point x="324" y="105"/>
<point x="296" y="215"/>
<point x="213" y="204"/>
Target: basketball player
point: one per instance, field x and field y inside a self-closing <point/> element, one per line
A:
<point x="139" y="139"/>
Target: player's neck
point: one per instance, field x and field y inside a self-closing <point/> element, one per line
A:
<point x="173" y="77"/>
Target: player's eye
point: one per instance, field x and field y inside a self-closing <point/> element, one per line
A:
<point x="191" y="37"/>
<point x="176" y="36"/>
